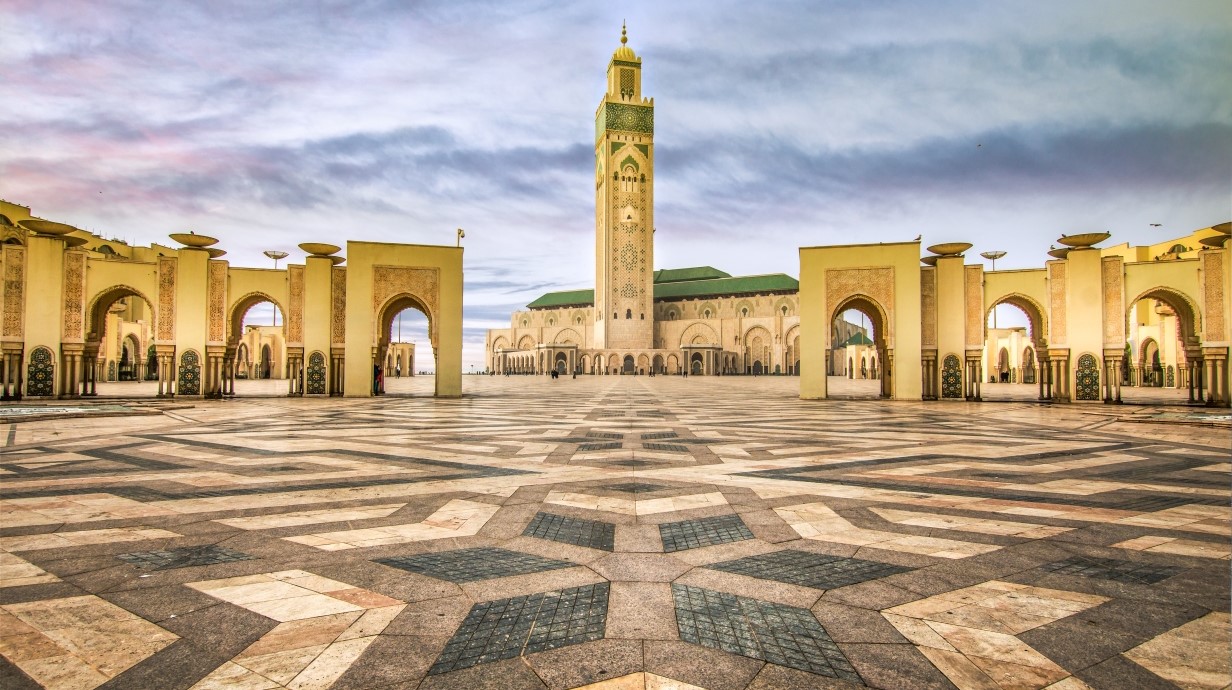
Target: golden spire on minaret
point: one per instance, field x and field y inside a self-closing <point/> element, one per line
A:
<point x="624" y="52"/>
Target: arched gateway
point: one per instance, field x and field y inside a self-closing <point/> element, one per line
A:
<point x="60" y="288"/>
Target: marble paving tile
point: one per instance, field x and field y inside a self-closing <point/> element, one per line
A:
<point x="1025" y="530"/>
<point x="312" y="517"/>
<point x="457" y="518"/>
<point x="1194" y="656"/>
<point x="630" y="506"/>
<point x="324" y="627"/>
<point x="76" y="642"/>
<point x="17" y="572"/>
<point x="817" y="521"/>
<point x="1177" y="546"/>
<point x="970" y="634"/>
<point x="60" y="540"/>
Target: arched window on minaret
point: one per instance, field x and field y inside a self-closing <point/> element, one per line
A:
<point x="628" y="313"/>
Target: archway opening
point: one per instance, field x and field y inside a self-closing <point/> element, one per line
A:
<point x="629" y="365"/>
<point x="407" y="330"/>
<point x="119" y="331"/>
<point x="1162" y="364"/>
<point x="1010" y="330"/>
<point x="257" y="347"/>
<point x="857" y="344"/>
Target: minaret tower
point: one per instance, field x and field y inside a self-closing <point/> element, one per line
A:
<point x="624" y="207"/>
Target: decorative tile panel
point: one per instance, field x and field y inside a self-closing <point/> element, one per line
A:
<point x="189" y="382"/>
<point x="951" y="377"/>
<point x="41" y="373"/>
<point x="1087" y="378"/>
<point x="315" y="374"/>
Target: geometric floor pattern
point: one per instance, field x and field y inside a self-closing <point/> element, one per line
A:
<point x="611" y="533"/>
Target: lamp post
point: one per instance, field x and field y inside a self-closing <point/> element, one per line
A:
<point x="275" y="255"/>
<point x="461" y="234"/>
<point x="993" y="256"/>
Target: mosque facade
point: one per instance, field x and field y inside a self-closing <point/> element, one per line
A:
<point x="637" y="320"/>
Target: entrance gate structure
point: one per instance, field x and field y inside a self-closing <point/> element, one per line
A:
<point x="58" y="290"/>
<point x="930" y="322"/>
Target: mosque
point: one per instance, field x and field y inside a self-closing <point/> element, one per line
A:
<point x="637" y="320"/>
<point x="1099" y="318"/>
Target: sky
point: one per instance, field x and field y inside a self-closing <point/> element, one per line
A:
<point x="777" y="125"/>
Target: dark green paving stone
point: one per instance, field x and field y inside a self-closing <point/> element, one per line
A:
<point x="666" y="447"/>
<point x="692" y="534"/>
<point x="470" y="565"/>
<point x="508" y="628"/>
<point x="576" y="531"/>
<point x="783" y="635"/>
<point x="610" y="445"/>
<point x="809" y="569"/>
<point x="636" y="487"/>
<point x="184" y="557"/>
<point x="1113" y="569"/>
<point x="658" y="434"/>
<point x="604" y="434"/>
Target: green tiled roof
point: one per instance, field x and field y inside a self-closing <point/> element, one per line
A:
<point x="681" y="288"/>
<point x="676" y="275"/>
<point x="773" y="282"/>
<point x="568" y="298"/>
<point x="857" y="339"/>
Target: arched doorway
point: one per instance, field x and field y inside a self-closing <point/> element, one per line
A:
<point x="406" y="321"/>
<point x="695" y="364"/>
<point x="258" y="362"/>
<point x="1162" y="327"/>
<point x="562" y="363"/>
<point x="630" y="365"/>
<point x="119" y="320"/>
<point x="1014" y="328"/>
<point x="658" y="365"/>
<point x="860" y="322"/>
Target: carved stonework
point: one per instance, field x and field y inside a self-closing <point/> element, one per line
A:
<point x="295" y="315"/>
<point x="877" y="283"/>
<point x="166" y="298"/>
<point x="424" y="284"/>
<point x="1058" y="328"/>
<point x="1114" y="301"/>
<point x="14" y="292"/>
<point x="217" y="302"/>
<point x="74" y="295"/>
<point x="974" y="276"/>
<point x="338" y="311"/>
<point x="1214" y="326"/>
<point x="928" y="307"/>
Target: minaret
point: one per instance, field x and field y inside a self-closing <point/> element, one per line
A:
<point x="624" y="208"/>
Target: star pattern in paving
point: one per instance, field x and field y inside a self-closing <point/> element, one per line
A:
<point x="614" y="532"/>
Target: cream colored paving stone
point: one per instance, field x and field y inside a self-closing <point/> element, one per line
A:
<point x="457" y="518"/>
<point x="1177" y="546"/>
<point x="970" y="634"/>
<point x="312" y="517"/>
<point x="1194" y="656"/>
<point x="58" y="540"/>
<point x="76" y="642"/>
<point x="1025" y="530"/>
<point x="17" y="572"/>
<point x="319" y="636"/>
<point x="629" y="506"/>
<point x="817" y="521"/>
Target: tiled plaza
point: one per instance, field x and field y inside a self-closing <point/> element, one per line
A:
<point x="616" y="533"/>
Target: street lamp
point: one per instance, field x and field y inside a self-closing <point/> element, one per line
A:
<point x="275" y="255"/>
<point x="461" y="234"/>
<point x="993" y="256"/>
